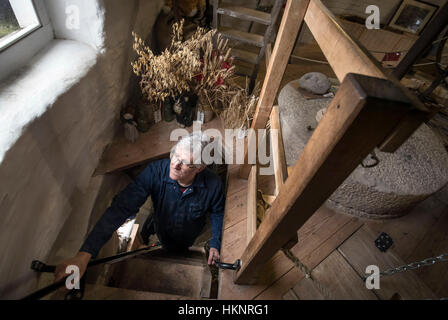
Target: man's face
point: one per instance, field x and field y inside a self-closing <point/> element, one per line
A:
<point x="182" y="168"/>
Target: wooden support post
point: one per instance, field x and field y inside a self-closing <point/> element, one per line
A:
<point x="289" y="28"/>
<point x="361" y="115"/>
<point x="252" y="204"/>
<point x="279" y="158"/>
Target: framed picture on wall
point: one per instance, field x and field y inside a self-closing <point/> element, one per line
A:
<point x="412" y="16"/>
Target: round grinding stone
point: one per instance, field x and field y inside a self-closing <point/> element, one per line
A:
<point x="402" y="179"/>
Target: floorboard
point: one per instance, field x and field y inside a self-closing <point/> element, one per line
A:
<point x="307" y="290"/>
<point x="434" y="243"/>
<point x="409" y="230"/>
<point x="338" y="278"/>
<point x="360" y="251"/>
<point x="313" y="247"/>
<point x="320" y="235"/>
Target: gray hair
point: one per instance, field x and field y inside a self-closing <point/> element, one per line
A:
<point x="195" y="144"/>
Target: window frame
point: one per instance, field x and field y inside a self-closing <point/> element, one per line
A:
<point x="18" y="52"/>
<point x="14" y="37"/>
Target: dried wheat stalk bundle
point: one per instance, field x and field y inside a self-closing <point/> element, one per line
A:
<point x="216" y="65"/>
<point x="241" y="107"/>
<point x="170" y="73"/>
<point x="216" y="70"/>
<point x="202" y="64"/>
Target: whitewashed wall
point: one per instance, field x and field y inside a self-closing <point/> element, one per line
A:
<point x="48" y="198"/>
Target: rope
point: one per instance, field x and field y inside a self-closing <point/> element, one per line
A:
<point x="324" y="62"/>
<point x="304" y="269"/>
<point x="308" y="59"/>
<point x="374" y="51"/>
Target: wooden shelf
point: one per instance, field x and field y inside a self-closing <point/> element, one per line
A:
<point x="152" y="145"/>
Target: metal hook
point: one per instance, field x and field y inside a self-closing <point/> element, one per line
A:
<point x="222" y="265"/>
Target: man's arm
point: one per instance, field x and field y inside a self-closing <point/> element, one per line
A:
<point x="124" y="205"/>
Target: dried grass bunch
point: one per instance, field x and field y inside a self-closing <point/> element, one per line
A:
<point x="201" y="64"/>
<point x="216" y="70"/>
<point x="171" y="72"/>
<point x="240" y="106"/>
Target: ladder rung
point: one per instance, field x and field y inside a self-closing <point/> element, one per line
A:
<point x="245" y="56"/>
<point x="250" y="38"/>
<point x="245" y="13"/>
<point x="243" y="70"/>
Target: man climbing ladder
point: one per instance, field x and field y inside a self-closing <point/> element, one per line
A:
<point x="182" y="192"/>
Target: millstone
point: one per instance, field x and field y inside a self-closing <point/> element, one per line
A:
<point x="401" y="180"/>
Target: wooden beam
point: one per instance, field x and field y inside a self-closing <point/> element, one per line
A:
<point x="361" y="115"/>
<point x="344" y="54"/>
<point x="268" y="54"/>
<point x="251" y="204"/>
<point x="279" y="158"/>
<point x="289" y="28"/>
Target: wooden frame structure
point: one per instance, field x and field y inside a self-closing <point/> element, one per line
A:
<point x="371" y="109"/>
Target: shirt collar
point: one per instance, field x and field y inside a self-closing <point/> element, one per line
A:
<point x="199" y="179"/>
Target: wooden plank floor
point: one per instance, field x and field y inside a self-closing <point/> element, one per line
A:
<point x="317" y="239"/>
<point x="338" y="247"/>
<point x="360" y="251"/>
<point x="338" y="277"/>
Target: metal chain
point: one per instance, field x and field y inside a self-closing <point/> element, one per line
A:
<point x="415" y="265"/>
<point x="325" y="292"/>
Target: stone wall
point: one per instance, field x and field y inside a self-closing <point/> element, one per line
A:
<point x="48" y="199"/>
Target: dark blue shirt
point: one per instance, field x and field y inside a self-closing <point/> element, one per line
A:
<point x="179" y="217"/>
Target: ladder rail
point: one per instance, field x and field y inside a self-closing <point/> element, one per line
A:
<point x="39" y="266"/>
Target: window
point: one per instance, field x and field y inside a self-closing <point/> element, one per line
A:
<point x="18" y="18"/>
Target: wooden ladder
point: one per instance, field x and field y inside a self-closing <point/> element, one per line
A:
<point x="260" y="41"/>
<point x="280" y="174"/>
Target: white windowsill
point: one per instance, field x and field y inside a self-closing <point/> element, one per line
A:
<point x="28" y="93"/>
